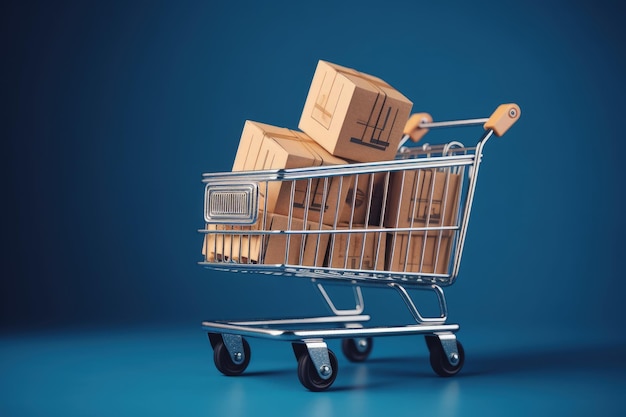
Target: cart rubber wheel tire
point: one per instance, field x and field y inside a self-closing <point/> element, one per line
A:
<point x="357" y="350"/>
<point x="224" y="363"/>
<point x="308" y="376"/>
<point x="438" y="360"/>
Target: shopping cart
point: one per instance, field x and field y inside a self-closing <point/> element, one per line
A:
<point x="397" y="224"/>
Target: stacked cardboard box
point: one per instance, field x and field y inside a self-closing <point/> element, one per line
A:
<point x="354" y="115"/>
<point x="364" y="200"/>
<point x="357" y="250"/>
<point x="246" y="247"/>
<point x="348" y="116"/>
<point x="426" y="199"/>
<point x="263" y="146"/>
<point x="314" y="205"/>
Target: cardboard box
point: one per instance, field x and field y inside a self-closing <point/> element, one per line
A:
<point x="428" y="198"/>
<point x="222" y="247"/>
<point x="364" y="250"/>
<point x="430" y="255"/>
<point x="354" y="115"/>
<point x="264" y="147"/>
<point x="269" y="249"/>
<point x="367" y="194"/>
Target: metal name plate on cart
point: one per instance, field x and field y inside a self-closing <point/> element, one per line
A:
<point x="231" y="203"/>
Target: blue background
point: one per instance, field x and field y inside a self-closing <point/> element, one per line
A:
<point x="112" y="111"/>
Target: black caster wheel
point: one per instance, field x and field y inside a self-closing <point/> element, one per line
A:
<point x="438" y="360"/>
<point x="223" y="361"/>
<point x="357" y="350"/>
<point x="309" y="377"/>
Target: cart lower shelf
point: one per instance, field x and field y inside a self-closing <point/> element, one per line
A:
<point x="317" y="364"/>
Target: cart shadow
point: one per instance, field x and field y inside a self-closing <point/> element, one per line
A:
<point x="387" y="372"/>
<point x="272" y="373"/>
<point x="610" y="357"/>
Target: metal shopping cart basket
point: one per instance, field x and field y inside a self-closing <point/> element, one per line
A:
<point x="397" y="224"/>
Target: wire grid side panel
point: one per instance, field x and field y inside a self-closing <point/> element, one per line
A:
<point x="387" y="222"/>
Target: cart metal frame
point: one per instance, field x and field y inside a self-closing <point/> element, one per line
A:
<point x="232" y="206"/>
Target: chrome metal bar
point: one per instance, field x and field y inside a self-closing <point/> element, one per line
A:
<point x="413" y="310"/>
<point x="350" y="276"/>
<point x="292" y="193"/>
<point x="454" y="123"/>
<point x="333" y="333"/>
<point x="304" y="321"/>
<point x="338" y="170"/>
<point x="327" y="231"/>
<point x="358" y="298"/>
<point x="376" y="331"/>
<point x="404" y="139"/>
<point x="468" y="204"/>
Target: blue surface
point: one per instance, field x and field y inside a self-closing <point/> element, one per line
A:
<point x="165" y="372"/>
<point x="112" y="112"/>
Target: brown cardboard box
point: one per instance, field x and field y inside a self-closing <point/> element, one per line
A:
<point x="264" y="146"/>
<point x="364" y="250"/>
<point x="246" y="248"/>
<point x="354" y="115"/>
<point x="219" y="247"/>
<point x="412" y="201"/>
<point x="433" y="256"/>
<point x="366" y="194"/>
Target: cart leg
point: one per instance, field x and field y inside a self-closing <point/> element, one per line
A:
<point x="446" y="353"/>
<point x="404" y="294"/>
<point x="231" y="353"/>
<point x="317" y="365"/>
<point x="358" y="300"/>
<point x="357" y="349"/>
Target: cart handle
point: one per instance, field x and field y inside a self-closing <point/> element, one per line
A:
<point x="500" y="121"/>
<point x="503" y="118"/>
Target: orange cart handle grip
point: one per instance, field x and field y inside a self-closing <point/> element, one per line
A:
<point x="503" y="118"/>
<point x="412" y="128"/>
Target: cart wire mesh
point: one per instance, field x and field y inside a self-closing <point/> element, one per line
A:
<point x="373" y="223"/>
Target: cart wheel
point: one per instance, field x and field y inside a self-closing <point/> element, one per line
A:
<point x="357" y="350"/>
<point x="224" y="363"/>
<point x="308" y="376"/>
<point x="438" y="360"/>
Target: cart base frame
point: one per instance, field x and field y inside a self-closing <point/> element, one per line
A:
<point x="262" y="329"/>
<point x="317" y="364"/>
